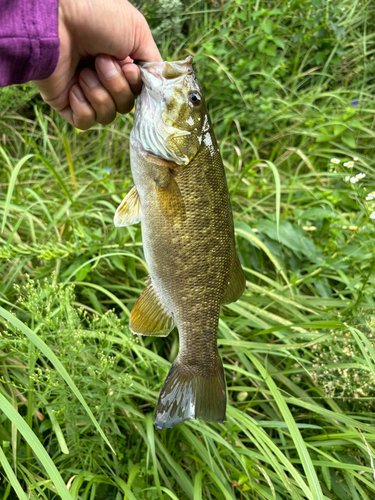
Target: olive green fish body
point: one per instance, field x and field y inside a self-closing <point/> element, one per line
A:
<point x="188" y="240"/>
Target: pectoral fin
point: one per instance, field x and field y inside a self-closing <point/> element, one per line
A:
<point x="129" y="211"/>
<point x="170" y="198"/>
<point x="237" y="283"/>
<point x="149" y="317"/>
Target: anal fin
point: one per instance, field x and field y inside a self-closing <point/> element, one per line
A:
<point x="129" y="210"/>
<point x="149" y="317"/>
<point x="237" y="283"/>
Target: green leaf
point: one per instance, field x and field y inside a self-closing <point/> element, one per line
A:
<point x="267" y="27"/>
<point x="291" y="236"/>
<point x="324" y="138"/>
<point x="243" y="230"/>
<point x="51" y="356"/>
<point x="299" y="443"/>
<point x="349" y="140"/>
<point x="198" y="485"/>
<point x="279" y="42"/>
<point x="35" y="445"/>
<point x="12" y="477"/>
<point x="11" y="185"/>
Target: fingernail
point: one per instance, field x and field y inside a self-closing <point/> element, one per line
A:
<point x="108" y="67"/>
<point x="90" y="79"/>
<point x="78" y="93"/>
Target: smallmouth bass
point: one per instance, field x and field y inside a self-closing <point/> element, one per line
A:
<point x="181" y="198"/>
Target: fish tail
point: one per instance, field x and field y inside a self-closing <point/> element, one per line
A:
<point x="190" y="392"/>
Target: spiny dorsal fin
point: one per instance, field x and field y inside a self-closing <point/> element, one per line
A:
<point x="129" y="211"/>
<point x="148" y="316"/>
<point x="237" y="283"/>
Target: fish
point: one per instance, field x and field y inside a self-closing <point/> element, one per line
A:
<point x="181" y="198"/>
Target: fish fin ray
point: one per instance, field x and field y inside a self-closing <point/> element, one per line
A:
<point x="237" y="283"/>
<point x="129" y="210"/>
<point x="170" y="198"/>
<point x="148" y="316"/>
<point x="187" y="394"/>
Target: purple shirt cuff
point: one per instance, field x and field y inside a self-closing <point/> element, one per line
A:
<point x="29" y="41"/>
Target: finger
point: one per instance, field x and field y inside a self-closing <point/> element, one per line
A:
<point x="133" y="77"/>
<point x="99" y="98"/>
<point x="79" y="112"/>
<point x="114" y="80"/>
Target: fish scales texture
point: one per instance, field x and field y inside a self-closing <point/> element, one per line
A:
<point x="188" y="237"/>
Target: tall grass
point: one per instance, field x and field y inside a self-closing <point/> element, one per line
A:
<point x="290" y="87"/>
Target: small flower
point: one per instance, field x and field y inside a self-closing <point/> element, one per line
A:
<point x="354" y="103"/>
<point x="107" y="169"/>
<point x="356" y="158"/>
<point x="360" y="176"/>
<point x="335" y="161"/>
<point x="346" y="164"/>
<point x="347" y="178"/>
<point x="372" y="216"/>
<point x="350" y="164"/>
<point x="353" y="180"/>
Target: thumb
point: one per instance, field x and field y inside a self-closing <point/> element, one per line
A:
<point x="115" y="28"/>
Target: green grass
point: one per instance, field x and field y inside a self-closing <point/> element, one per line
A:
<point x="298" y="347"/>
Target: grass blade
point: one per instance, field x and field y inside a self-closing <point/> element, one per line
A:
<point x="36" y="446"/>
<point x="12" y="183"/>
<point x="303" y="453"/>
<point x="51" y="356"/>
<point x="11" y="476"/>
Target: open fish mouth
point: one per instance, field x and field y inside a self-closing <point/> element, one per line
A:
<point x="160" y="82"/>
<point x="164" y="70"/>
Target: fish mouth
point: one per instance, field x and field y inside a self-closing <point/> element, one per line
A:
<point x="160" y="79"/>
<point x="164" y="70"/>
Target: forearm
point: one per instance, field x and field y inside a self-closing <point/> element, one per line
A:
<point x="29" y="41"/>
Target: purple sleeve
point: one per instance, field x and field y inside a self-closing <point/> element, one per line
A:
<point x="29" y="40"/>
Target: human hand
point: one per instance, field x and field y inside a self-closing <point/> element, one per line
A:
<point x="109" y="34"/>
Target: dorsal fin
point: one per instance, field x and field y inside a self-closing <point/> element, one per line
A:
<point x="237" y="283"/>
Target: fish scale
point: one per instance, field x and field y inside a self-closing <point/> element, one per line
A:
<point x="181" y="198"/>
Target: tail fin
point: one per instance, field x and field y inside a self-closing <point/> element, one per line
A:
<point x="189" y="393"/>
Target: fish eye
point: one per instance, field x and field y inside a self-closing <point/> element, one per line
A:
<point x="194" y="98"/>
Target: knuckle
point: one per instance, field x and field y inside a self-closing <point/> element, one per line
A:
<point x="101" y="99"/>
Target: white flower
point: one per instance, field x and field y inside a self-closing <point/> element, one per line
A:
<point x="335" y="160"/>
<point x="347" y="178"/>
<point x="346" y="164"/>
<point x="360" y="176"/>
<point x="372" y="216"/>
<point x="353" y="180"/>
<point x="355" y="158"/>
<point x="350" y="164"/>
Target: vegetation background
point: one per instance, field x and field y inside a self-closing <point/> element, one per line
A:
<point x="290" y="86"/>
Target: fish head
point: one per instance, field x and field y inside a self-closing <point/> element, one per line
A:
<point x="170" y="112"/>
